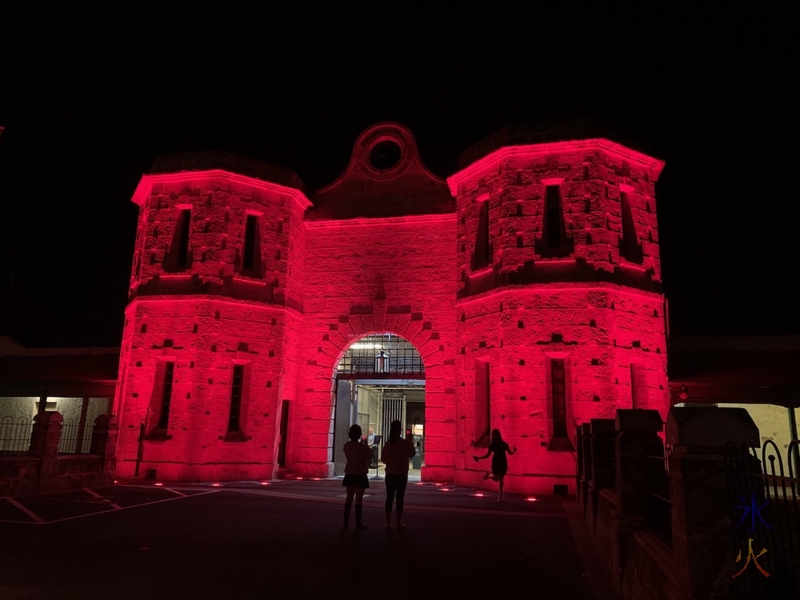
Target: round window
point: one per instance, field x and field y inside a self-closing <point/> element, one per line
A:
<point x="385" y="155"/>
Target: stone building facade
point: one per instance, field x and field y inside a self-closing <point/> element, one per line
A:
<point x="528" y="281"/>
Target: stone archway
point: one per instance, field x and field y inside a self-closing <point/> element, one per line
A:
<point x="380" y="377"/>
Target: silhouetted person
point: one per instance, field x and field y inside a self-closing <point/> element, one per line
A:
<point x="499" y="448"/>
<point x="395" y="455"/>
<point x="358" y="455"/>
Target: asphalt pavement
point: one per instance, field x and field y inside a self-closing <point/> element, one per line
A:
<point x="284" y="539"/>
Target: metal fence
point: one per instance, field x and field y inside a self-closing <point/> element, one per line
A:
<point x="76" y="437"/>
<point x="764" y="493"/>
<point x="15" y="436"/>
<point x="381" y="355"/>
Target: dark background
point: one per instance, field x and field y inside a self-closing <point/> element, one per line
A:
<point x="90" y="96"/>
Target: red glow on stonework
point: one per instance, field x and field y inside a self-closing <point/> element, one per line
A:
<point x="227" y="360"/>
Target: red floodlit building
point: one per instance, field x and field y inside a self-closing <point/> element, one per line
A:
<point x="522" y="293"/>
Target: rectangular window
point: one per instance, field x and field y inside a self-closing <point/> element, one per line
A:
<point x="483" y="412"/>
<point x="236" y="399"/>
<point x="166" y="395"/>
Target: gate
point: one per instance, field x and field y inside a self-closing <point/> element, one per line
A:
<point x="764" y="495"/>
<point x="129" y="450"/>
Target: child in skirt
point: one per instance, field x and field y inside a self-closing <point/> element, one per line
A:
<point x="358" y="456"/>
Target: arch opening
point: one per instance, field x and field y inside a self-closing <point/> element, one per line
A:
<point x="379" y="378"/>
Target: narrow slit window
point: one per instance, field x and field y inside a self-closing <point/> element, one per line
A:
<point x="554" y="242"/>
<point x="234" y="419"/>
<point x="179" y="258"/>
<point x="630" y="247"/>
<point x="166" y="395"/>
<point x="638" y="386"/>
<point x="553" y="217"/>
<point x="483" y="247"/>
<point x="483" y="413"/>
<point x="183" y="243"/>
<point x="558" y="397"/>
<point x="251" y="259"/>
<point x="558" y="405"/>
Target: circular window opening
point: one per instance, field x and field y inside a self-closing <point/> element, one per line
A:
<point x="385" y="155"/>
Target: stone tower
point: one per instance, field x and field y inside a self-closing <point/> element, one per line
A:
<point x="560" y="311"/>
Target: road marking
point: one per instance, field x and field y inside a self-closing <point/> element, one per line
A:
<point x="174" y="491"/>
<point x="36" y="518"/>
<point x="96" y="495"/>
<point x="39" y="521"/>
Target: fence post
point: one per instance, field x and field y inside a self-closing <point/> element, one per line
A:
<point x="602" y="467"/>
<point x="104" y="442"/>
<point x="701" y="527"/>
<point x="45" y="438"/>
<point x="584" y="466"/>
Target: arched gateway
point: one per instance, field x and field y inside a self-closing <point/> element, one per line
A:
<point x="528" y="283"/>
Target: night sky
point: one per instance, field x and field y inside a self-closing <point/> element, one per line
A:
<point x="90" y="96"/>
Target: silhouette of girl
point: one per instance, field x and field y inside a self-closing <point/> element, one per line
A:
<point x="358" y="455"/>
<point x="499" y="448"/>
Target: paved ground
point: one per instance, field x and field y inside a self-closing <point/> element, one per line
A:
<point x="247" y="541"/>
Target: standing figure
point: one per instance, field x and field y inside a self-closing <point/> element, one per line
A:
<point x="395" y="455"/>
<point x="499" y="461"/>
<point x="358" y="455"/>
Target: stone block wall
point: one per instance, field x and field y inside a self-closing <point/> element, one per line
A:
<point x="374" y="276"/>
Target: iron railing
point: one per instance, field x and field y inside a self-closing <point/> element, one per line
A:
<point x="381" y="356"/>
<point x="76" y="437"/>
<point x="764" y="493"/>
<point x="15" y="436"/>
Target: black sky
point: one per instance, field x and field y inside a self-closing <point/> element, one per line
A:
<point x="90" y="96"/>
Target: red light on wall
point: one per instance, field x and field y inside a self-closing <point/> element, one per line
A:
<point x="215" y="485"/>
<point x="265" y="483"/>
<point x="531" y="499"/>
<point x="478" y="495"/>
<point x="159" y="483"/>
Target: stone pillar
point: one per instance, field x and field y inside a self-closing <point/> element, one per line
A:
<point x="638" y="431"/>
<point x="104" y="442"/>
<point x="701" y="527"/>
<point x="44" y="444"/>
